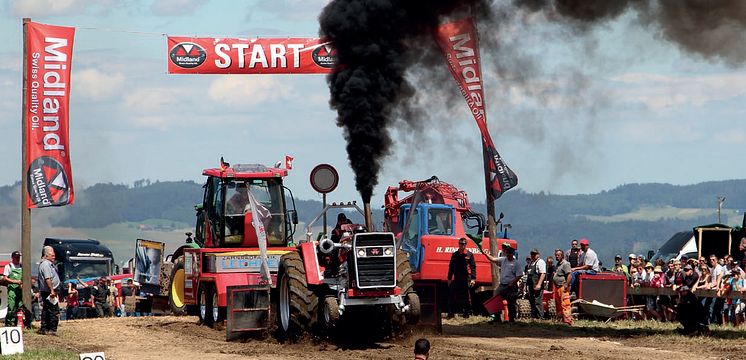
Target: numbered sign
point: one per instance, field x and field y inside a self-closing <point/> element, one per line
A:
<point x="93" y="356"/>
<point x="11" y="340"/>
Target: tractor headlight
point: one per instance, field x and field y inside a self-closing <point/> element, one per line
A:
<point x="361" y="253"/>
<point x="388" y="251"/>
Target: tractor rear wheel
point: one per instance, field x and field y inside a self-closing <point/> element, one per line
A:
<point x="218" y="312"/>
<point x="406" y="285"/>
<point x="297" y="305"/>
<point x="176" y="288"/>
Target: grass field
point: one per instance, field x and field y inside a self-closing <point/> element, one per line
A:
<point x="669" y="212"/>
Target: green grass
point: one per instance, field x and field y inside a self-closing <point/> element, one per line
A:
<point x="43" y="354"/>
<point x="670" y="212"/>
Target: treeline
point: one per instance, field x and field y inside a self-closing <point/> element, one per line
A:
<point x="538" y="220"/>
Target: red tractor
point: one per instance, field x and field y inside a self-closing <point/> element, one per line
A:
<point x="313" y="285"/>
<point x="428" y="233"/>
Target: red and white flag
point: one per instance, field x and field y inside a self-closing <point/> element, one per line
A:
<point x="47" y="104"/>
<point x="458" y="42"/>
<point x="289" y="162"/>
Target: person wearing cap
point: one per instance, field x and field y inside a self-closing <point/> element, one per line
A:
<point x="462" y="273"/>
<point x="560" y="291"/>
<point x="510" y="273"/>
<point x="587" y="264"/>
<point x="620" y="268"/>
<point x="690" y="278"/>
<point x="691" y="313"/>
<point x="337" y="231"/>
<point x="632" y="262"/>
<point x="537" y="272"/>
<point x="11" y="278"/>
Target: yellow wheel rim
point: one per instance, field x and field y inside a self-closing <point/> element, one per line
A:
<point x="177" y="288"/>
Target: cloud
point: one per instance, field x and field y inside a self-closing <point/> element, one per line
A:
<point x="665" y="92"/>
<point x="294" y="10"/>
<point x="43" y="8"/>
<point x="154" y="100"/>
<point x="246" y="91"/>
<point x="93" y="84"/>
<point x="175" y="7"/>
<point x="731" y="137"/>
<point x="659" y="132"/>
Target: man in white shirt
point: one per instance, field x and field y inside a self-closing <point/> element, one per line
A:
<point x="715" y="305"/>
<point x="587" y="264"/>
<point x="510" y="272"/>
<point x="537" y="271"/>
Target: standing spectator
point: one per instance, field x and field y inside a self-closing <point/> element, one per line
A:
<point x="561" y="284"/>
<point x="421" y="349"/>
<point x="704" y="278"/>
<point x="742" y="248"/>
<point x="462" y="273"/>
<point x="12" y="278"/>
<point x="537" y="272"/>
<point x="49" y="284"/>
<point x="99" y="298"/>
<point x="573" y="253"/>
<point x="550" y="272"/>
<point x="690" y="278"/>
<point x="620" y="268"/>
<point x="715" y="305"/>
<point x="587" y="264"/>
<point x="632" y="262"/>
<point x="510" y="272"/>
<point x="655" y="282"/>
<point x="732" y="282"/>
<point x="72" y="302"/>
<point x="127" y="291"/>
<point x="35" y="299"/>
<point x="113" y="295"/>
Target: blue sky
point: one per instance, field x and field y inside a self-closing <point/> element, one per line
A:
<point x="616" y="106"/>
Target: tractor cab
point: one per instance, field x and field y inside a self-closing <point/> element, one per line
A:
<point x="226" y="216"/>
<point x="426" y="220"/>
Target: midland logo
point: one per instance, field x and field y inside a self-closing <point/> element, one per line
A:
<point x="324" y="56"/>
<point x="48" y="182"/>
<point x="187" y="55"/>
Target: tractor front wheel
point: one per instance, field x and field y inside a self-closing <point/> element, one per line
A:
<point x="176" y="288"/>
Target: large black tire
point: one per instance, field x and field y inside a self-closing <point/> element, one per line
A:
<point x="523" y="307"/>
<point x="176" y="288"/>
<point x="297" y="305"/>
<point x="406" y="285"/>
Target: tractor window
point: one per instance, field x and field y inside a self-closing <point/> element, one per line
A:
<point x="409" y="235"/>
<point x="268" y="193"/>
<point x="440" y="222"/>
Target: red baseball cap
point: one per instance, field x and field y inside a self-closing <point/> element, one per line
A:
<point x="583" y="241"/>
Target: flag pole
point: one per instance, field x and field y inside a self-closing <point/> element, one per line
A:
<point x="25" y="210"/>
<point x="490" y="217"/>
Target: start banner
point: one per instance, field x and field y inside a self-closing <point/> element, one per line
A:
<point x="188" y="55"/>
<point x="48" y="63"/>
<point x="459" y="43"/>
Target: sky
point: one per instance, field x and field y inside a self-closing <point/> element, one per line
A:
<point x="617" y="105"/>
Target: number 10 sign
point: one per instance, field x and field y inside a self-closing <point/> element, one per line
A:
<point x="11" y="340"/>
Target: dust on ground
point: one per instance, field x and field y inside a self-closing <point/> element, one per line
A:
<point x="171" y="337"/>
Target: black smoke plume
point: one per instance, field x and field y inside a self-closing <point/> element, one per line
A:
<point x="374" y="40"/>
<point x="380" y="42"/>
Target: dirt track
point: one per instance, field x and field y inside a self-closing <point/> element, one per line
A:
<point x="181" y="338"/>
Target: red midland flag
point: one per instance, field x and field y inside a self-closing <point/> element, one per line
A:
<point x="458" y="41"/>
<point x="48" y="63"/>
<point x="289" y="162"/>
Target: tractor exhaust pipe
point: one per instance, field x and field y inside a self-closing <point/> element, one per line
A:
<point x="368" y="217"/>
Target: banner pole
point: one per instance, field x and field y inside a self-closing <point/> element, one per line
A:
<point x="491" y="218"/>
<point x="25" y="211"/>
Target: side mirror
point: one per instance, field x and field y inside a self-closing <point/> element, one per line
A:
<point x="116" y="269"/>
<point x="198" y="207"/>
<point x="502" y="215"/>
<point x="650" y="254"/>
<point x="293" y="216"/>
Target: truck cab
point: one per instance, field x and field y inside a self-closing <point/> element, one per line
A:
<point x="85" y="259"/>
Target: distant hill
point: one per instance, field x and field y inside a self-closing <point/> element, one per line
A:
<point x="629" y="218"/>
